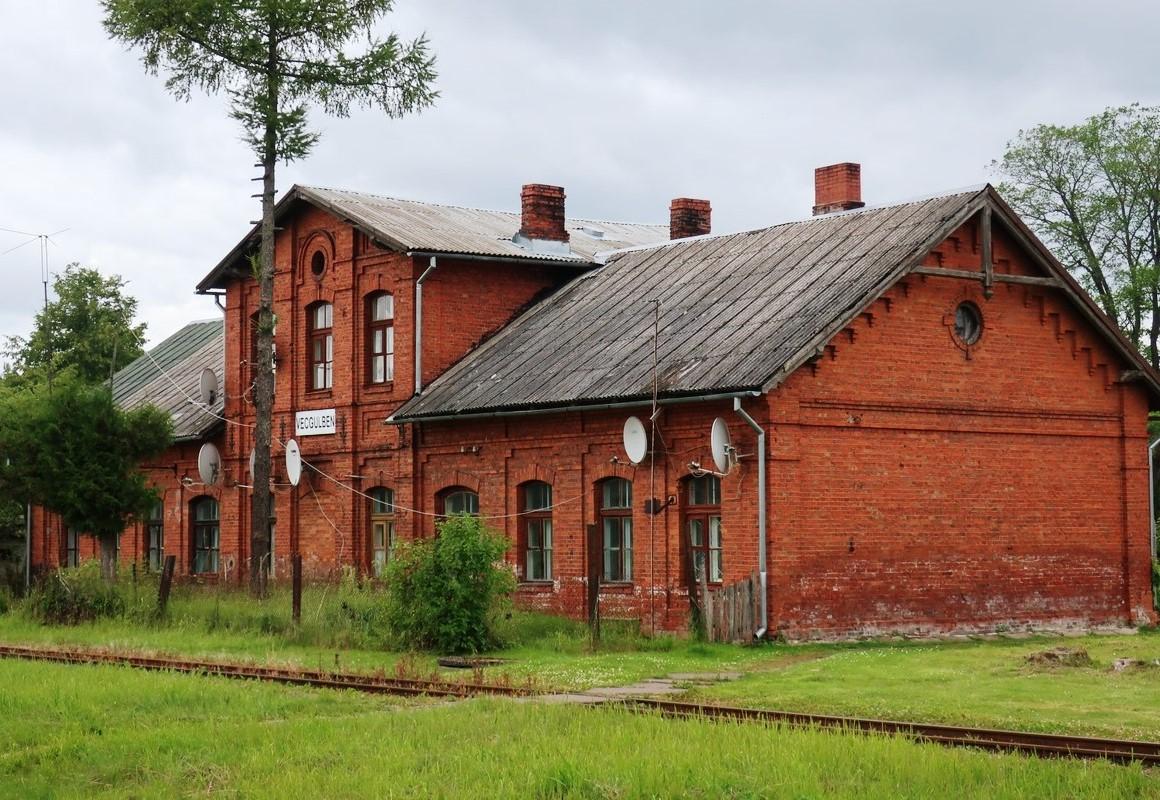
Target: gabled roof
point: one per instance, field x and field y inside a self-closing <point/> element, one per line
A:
<point x="412" y="226"/>
<point x="182" y="356"/>
<point x="738" y="312"/>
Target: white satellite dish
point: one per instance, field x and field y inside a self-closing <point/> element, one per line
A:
<point x="207" y="387"/>
<point x="293" y="462"/>
<point x="635" y="440"/>
<point x="209" y="464"/>
<point x="720" y="444"/>
<point x="253" y="458"/>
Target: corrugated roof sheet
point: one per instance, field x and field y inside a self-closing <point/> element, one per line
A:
<point x="182" y="356"/>
<point x="430" y="227"/>
<point x="734" y="311"/>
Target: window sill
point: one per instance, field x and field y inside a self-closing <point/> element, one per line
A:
<point x="617" y="587"/>
<point x="318" y="393"/>
<point x="536" y="587"/>
<point x="386" y="386"/>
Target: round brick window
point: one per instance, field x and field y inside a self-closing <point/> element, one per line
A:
<point x="968" y="323"/>
<point x="317" y="264"/>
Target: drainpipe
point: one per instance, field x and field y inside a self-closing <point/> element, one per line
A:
<point x="419" y="325"/>
<point x="1152" y="496"/>
<point x="27" y="548"/>
<point x="761" y="492"/>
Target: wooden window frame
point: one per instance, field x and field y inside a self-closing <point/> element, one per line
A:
<point x="535" y="521"/>
<point x="382" y="514"/>
<point x="704" y="513"/>
<point x="155" y="524"/>
<point x="451" y="491"/>
<point x="199" y="527"/>
<point x="616" y="568"/>
<point x="319" y="336"/>
<point x="385" y="327"/>
<point x="72" y="547"/>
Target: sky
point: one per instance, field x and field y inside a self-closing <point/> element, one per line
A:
<point x="627" y="104"/>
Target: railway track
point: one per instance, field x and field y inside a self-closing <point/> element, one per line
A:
<point x="373" y="684"/>
<point x="1025" y="742"/>
<point x="1039" y="744"/>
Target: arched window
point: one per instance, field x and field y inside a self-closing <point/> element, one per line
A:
<point x="614" y="505"/>
<point x="702" y="540"/>
<point x="458" y="500"/>
<point x="536" y="530"/>
<point x="203" y="512"/>
<point x="382" y="519"/>
<point x="155" y="537"/>
<point x="380" y="338"/>
<point x="320" y="317"/>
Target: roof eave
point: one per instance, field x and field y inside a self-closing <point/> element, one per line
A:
<point x="567" y="407"/>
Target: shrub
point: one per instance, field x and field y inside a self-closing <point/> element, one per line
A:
<point x="446" y="593"/>
<point x="1156" y="584"/>
<point x="71" y="596"/>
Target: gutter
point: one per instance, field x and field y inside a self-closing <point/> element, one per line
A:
<point x="523" y="412"/>
<point x="419" y="324"/>
<point x="761" y="514"/>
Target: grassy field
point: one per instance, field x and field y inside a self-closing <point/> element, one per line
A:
<point x="987" y="683"/>
<point x="109" y="732"/>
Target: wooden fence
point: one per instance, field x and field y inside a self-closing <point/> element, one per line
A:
<point x="729" y="614"/>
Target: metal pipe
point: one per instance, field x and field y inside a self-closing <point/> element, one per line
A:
<point x="418" y="337"/>
<point x="522" y="412"/>
<point x="761" y="524"/>
<point x="27" y="548"/>
<point x="1152" y="496"/>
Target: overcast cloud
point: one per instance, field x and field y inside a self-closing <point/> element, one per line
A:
<point x="625" y="104"/>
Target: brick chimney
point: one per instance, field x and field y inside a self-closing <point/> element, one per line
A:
<point x="837" y="187"/>
<point x="543" y="212"/>
<point x="689" y="217"/>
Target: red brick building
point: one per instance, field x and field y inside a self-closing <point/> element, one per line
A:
<point x="934" y="428"/>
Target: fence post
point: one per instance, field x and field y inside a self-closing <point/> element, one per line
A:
<point x="296" y="578"/>
<point x="166" y="583"/>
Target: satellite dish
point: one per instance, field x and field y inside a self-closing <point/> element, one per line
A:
<point x="207" y="387"/>
<point x="209" y="464"/>
<point x="720" y="444"/>
<point x="635" y="440"/>
<point x="293" y="462"/>
<point x="253" y="457"/>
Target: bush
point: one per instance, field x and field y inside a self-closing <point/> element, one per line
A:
<point x="1156" y="584"/>
<point x="71" y="596"/>
<point x="446" y="593"/>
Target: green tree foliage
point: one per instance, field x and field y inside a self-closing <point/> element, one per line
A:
<point x="11" y="545"/>
<point x="1091" y="191"/>
<point x="444" y="594"/>
<point x="89" y="328"/>
<point x="66" y="446"/>
<point x="275" y="59"/>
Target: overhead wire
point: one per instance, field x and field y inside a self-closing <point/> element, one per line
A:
<point x="247" y="426"/>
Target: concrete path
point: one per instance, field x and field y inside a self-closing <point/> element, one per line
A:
<point x="677" y="683"/>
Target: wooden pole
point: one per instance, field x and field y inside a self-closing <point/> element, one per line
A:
<point x="296" y="569"/>
<point x="166" y="584"/>
<point x="594" y="567"/>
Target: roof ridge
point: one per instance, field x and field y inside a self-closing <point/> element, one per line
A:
<point x="602" y="256"/>
<point x="457" y="207"/>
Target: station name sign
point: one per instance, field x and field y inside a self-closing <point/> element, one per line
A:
<point x="314" y="423"/>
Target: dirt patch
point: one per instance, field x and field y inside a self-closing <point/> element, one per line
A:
<point x="1061" y="657"/>
<point x="1124" y="664"/>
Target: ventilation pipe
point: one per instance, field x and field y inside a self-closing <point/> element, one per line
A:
<point x="419" y="324"/>
<point x="761" y="514"/>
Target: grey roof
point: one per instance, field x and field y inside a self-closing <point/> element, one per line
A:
<point x="409" y="225"/>
<point x="182" y="357"/>
<point x="737" y="312"/>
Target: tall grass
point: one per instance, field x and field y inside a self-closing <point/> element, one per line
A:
<point x="108" y="732"/>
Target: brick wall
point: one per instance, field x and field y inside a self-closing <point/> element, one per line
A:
<point x="916" y="484"/>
